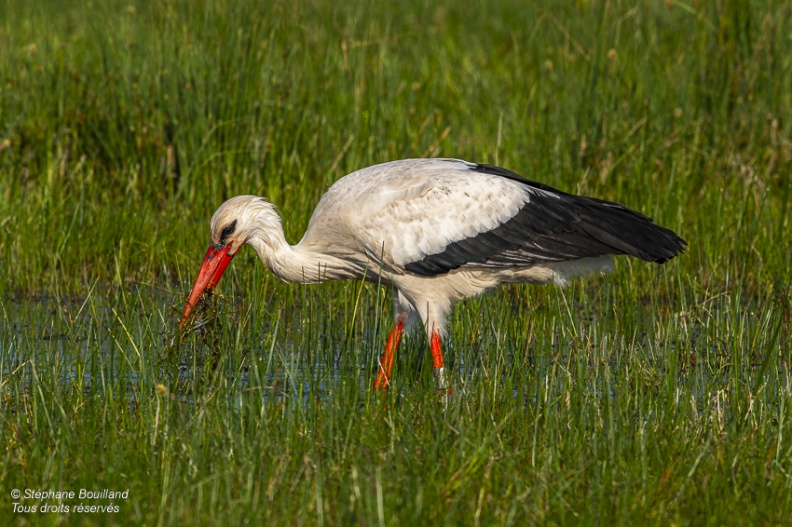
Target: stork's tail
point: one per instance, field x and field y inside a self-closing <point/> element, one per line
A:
<point x="629" y="232"/>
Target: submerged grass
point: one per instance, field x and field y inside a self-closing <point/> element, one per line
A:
<point x="653" y="395"/>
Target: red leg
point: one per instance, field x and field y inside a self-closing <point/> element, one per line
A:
<point x="437" y="358"/>
<point x="386" y="363"/>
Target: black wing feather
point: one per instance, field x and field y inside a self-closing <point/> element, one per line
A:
<point x="555" y="226"/>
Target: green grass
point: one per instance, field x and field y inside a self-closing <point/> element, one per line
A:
<point x="655" y="395"/>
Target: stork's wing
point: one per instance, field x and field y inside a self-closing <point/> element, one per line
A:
<point x="553" y="226"/>
<point x="445" y="214"/>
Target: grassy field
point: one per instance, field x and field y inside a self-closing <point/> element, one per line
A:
<point x="652" y="396"/>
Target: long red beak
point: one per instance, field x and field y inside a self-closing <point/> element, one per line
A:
<point x="212" y="269"/>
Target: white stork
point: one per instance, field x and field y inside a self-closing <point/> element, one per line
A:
<point x="438" y="231"/>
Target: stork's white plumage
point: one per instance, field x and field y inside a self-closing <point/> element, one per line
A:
<point x="437" y="231"/>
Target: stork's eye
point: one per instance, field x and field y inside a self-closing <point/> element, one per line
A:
<point x="227" y="231"/>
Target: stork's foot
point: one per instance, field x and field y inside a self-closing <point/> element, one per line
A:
<point x="381" y="383"/>
<point x="441" y="379"/>
<point x="386" y="362"/>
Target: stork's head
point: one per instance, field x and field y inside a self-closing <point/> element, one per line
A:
<point x="236" y="221"/>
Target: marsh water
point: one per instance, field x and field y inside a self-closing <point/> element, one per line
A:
<point x="132" y="344"/>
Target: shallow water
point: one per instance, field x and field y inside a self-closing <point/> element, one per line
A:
<point x="118" y="343"/>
